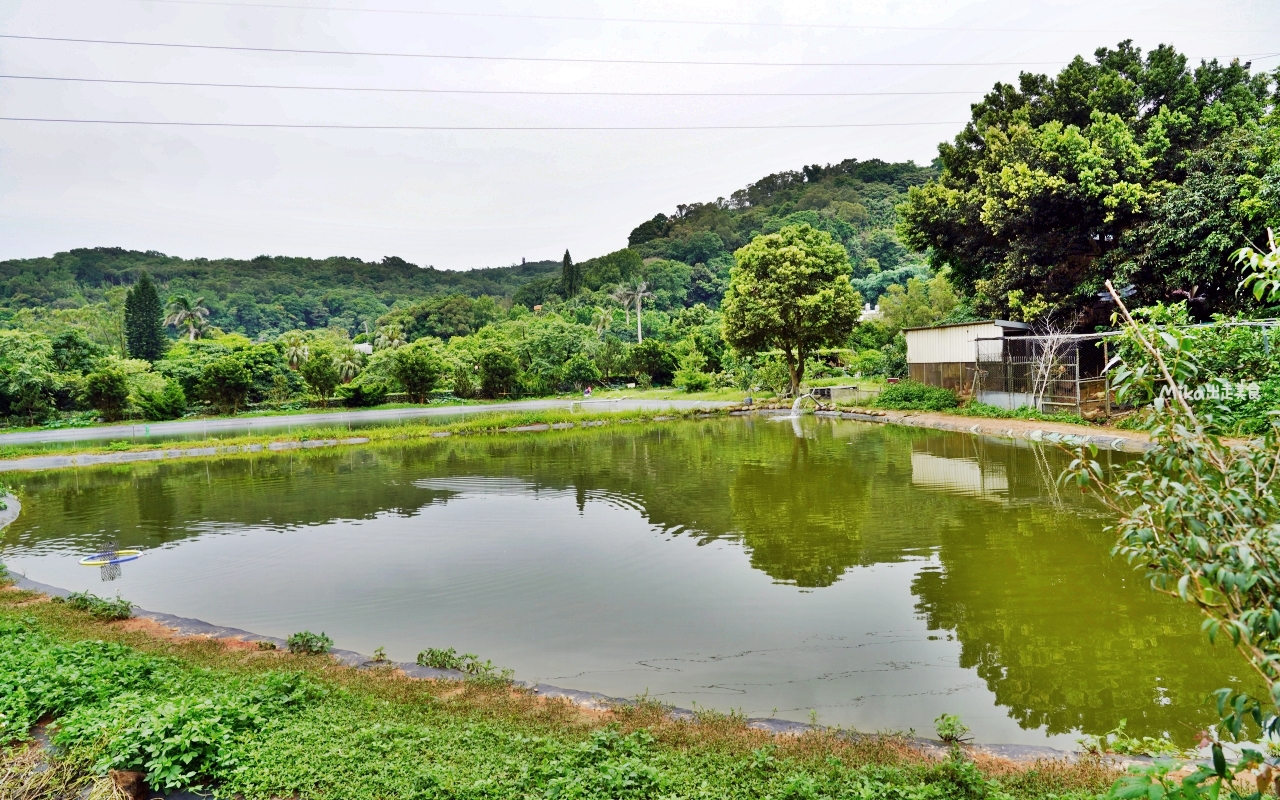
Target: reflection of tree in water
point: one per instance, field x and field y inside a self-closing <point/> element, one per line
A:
<point x="1065" y="636"/>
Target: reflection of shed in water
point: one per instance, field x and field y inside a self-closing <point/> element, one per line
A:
<point x="967" y="476"/>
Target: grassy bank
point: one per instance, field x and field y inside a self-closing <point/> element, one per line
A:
<point x="484" y="422"/>
<point x="259" y="724"/>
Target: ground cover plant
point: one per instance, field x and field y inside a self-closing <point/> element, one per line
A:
<point x="257" y="724"/>
<point x="911" y="395"/>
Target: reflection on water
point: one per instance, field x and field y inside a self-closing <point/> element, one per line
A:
<point x="880" y="576"/>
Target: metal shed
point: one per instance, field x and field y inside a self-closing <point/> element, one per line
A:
<point x="946" y="355"/>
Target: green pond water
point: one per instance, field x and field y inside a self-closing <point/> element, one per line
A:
<point x="874" y="575"/>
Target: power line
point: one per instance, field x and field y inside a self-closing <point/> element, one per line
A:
<point x="467" y="91"/>
<point x="546" y="59"/>
<point x="304" y="126"/>
<point x="655" y="21"/>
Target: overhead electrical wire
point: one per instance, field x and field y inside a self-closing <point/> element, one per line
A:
<point x="585" y="93"/>
<point x="307" y="126"/>
<point x="703" y="22"/>
<point x="543" y="59"/>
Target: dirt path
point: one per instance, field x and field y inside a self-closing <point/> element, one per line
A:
<point x="1030" y="430"/>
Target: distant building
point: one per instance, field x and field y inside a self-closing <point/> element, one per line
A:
<point x="364" y="347"/>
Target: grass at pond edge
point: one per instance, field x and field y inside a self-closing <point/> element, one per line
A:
<point x="479" y="423"/>
<point x="269" y="724"/>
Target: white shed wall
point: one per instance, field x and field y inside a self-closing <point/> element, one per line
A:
<point x="948" y="345"/>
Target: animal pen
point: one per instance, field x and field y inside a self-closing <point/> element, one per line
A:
<point x="1053" y="372"/>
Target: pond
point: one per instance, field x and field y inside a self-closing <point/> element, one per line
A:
<point x="871" y="575"/>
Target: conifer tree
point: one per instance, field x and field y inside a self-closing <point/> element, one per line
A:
<point x="144" y="321"/>
<point x="570" y="277"/>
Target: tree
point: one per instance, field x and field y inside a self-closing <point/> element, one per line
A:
<point x="654" y="359"/>
<point x="143" y="325"/>
<point x="1041" y="191"/>
<point x="106" y="390"/>
<point x="570" y="277"/>
<point x="27" y="374"/>
<point x="581" y="371"/>
<point x="225" y="383"/>
<point x="790" y="290"/>
<point x="418" y="368"/>
<point x="347" y="362"/>
<point x="182" y="310"/>
<point x="499" y="370"/>
<point x="921" y="303"/>
<point x="320" y="374"/>
<point x="296" y="348"/>
<point x="1199" y="515"/>
<point x="389" y="336"/>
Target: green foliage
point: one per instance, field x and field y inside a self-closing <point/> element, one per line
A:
<point x="450" y="658"/>
<point x="168" y="403"/>
<point x="441" y="317"/>
<point x="107" y="391"/>
<point x="920" y="304"/>
<point x="27" y="375"/>
<point x="363" y="393"/>
<point x="950" y="729"/>
<point x="499" y="373"/>
<point x="976" y="409"/>
<point x="581" y="371"/>
<point x="320" y="372"/>
<point x="99" y="607"/>
<point x="570" y="277"/>
<point x="1061" y="182"/>
<point x="654" y="359"/>
<point x="1119" y="741"/>
<point x="265" y="295"/>
<point x="308" y="643"/>
<point x="690" y="376"/>
<point x="143" y="326"/>
<point x="226" y="384"/>
<point x="790" y="290"/>
<point x="418" y="367"/>
<point x="910" y="395"/>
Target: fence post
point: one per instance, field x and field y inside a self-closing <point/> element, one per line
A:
<point x="1079" y="410"/>
<point x="1106" y="379"/>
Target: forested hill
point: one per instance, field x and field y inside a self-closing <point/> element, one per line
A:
<point x="686" y="259"/>
<point x="265" y="294"/>
<point x="855" y="201"/>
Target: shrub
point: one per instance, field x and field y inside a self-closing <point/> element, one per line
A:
<point x="655" y="360"/>
<point x="499" y="371"/>
<point x="320" y="373"/>
<point x="362" y="393"/>
<point x="106" y="390"/>
<point x="581" y="371"/>
<point x="463" y="383"/>
<point x="168" y="403"/>
<point x="469" y="663"/>
<point x="99" y="607"/>
<point x="916" y="396"/>
<point x="417" y="367"/>
<point x="308" y="643"/>
<point x="226" y="383"/>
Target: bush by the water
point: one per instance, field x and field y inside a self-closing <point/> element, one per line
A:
<point x="308" y="643"/>
<point x="98" y="607"/>
<point x="910" y="395"/>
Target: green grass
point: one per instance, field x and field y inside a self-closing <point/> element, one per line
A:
<point x="976" y="409"/>
<point x="260" y="724"/>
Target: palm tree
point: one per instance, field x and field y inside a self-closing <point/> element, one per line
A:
<point x="296" y="350"/>
<point x="623" y="295"/>
<point x="601" y="319"/>
<point x="183" y="310"/>
<point x="640" y="291"/>
<point x="347" y="362"/>
<point x="389" y="336"/>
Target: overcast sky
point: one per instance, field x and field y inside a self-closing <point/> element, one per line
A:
<point x="464" y="198"/>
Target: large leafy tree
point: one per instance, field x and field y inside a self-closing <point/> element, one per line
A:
<point x="790" y="290"/>
<point x="1041" y="190"/>
<point x="143" y="326"/>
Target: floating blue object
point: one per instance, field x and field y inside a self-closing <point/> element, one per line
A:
<point x="106" y="559"/>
